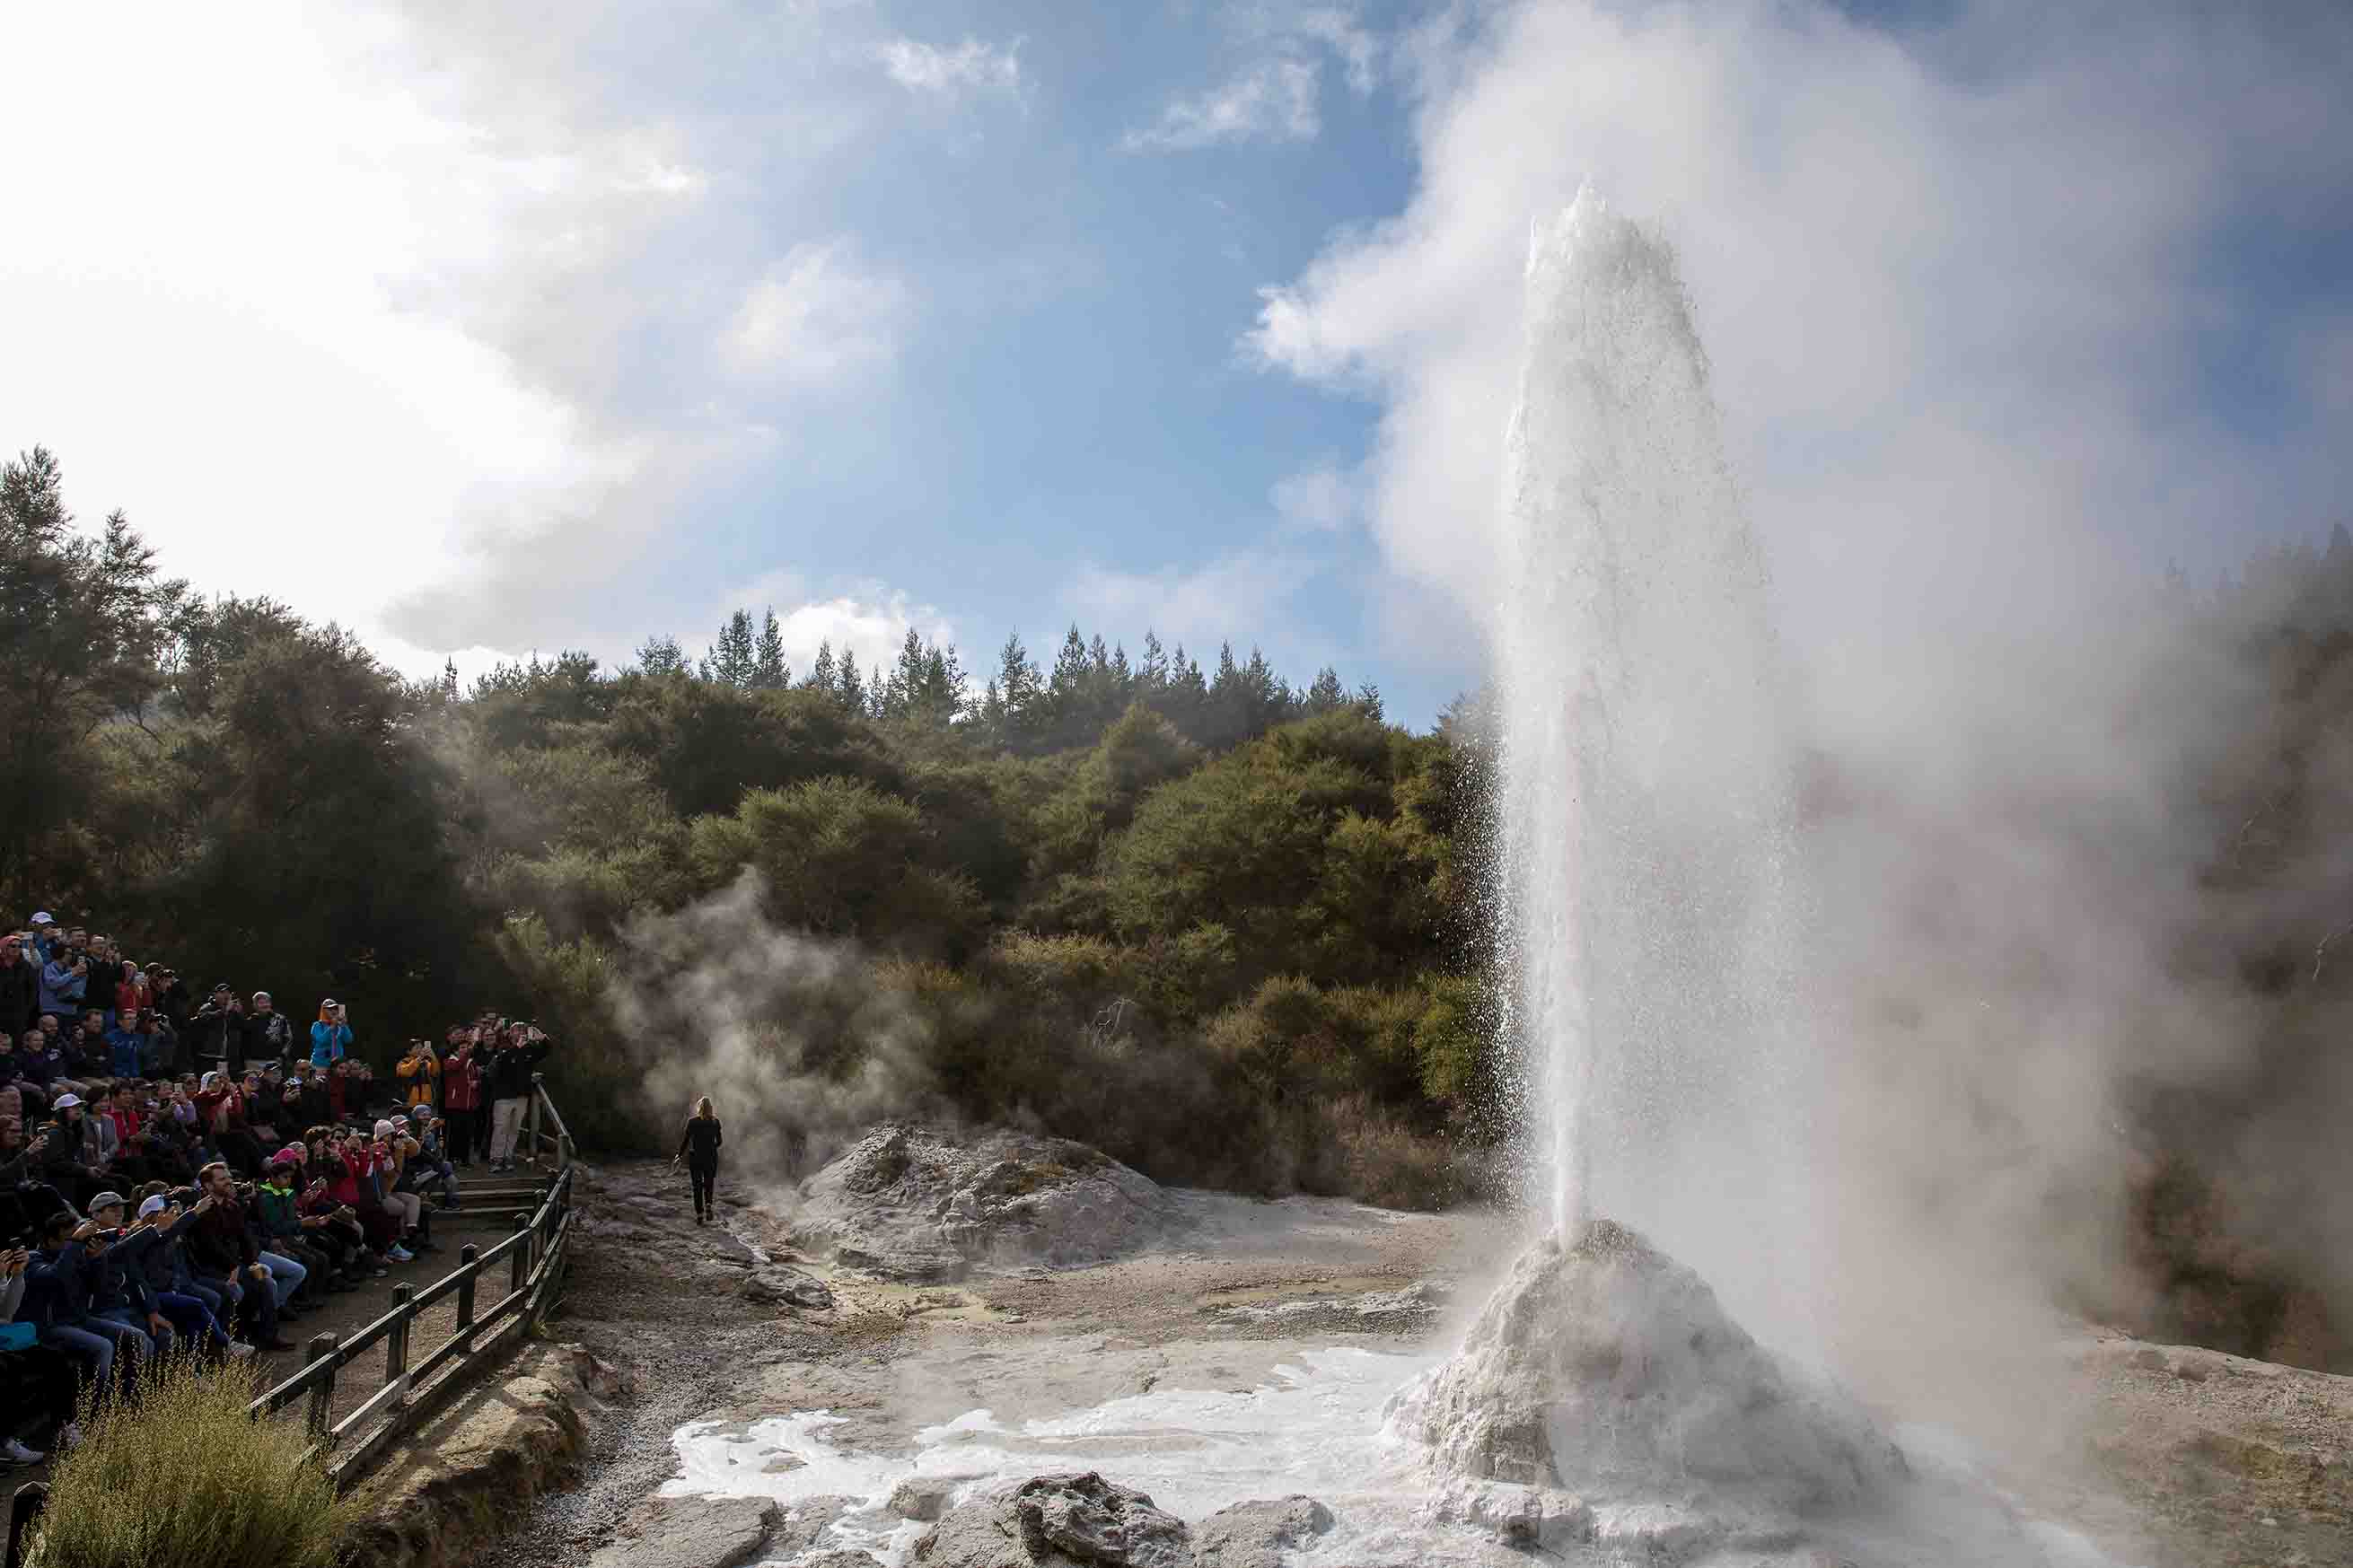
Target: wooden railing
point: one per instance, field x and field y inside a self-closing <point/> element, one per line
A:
<point x="534" y="1255"/>
<point x="413" y="1389"/>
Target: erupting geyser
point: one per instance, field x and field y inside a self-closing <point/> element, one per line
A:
<point x="1604" y="1395"/>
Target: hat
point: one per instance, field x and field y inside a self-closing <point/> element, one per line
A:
<point x="65" y="1101"/>
<point x="106" y="1201"/>
<point x="155" y="1204"/>
<point x="290" y="1155"/>
<point x="262" y="996"/>
<point x="208" y="1080"/>
<point x="220" y="986"/>
<point x="45" y="919"/>
<point x="384" y="1129"/>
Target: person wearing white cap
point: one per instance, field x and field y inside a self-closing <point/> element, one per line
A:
<point x="150" y="1249"/>
<point x="69" y="1154"/>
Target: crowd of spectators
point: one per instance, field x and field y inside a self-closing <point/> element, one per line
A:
<point x="186" y="1177"/>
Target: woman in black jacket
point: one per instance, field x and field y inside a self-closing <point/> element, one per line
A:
<point x="700" y="1148"/>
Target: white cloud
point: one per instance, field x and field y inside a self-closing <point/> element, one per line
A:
<point x="1272" y="99"/>
<point x="1275" y="95"/>
<point x="817" y="316"/>
<point x="1321" y="498"/>
<point x="1338" y="29"/>
<point x="357" y="308"/>
<point x="972" y="65"/>
<point x="1236" y="596"/>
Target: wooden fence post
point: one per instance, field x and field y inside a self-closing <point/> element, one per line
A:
<point x="530" y="1116"/>
<point x="520" y="1260"/>
<point x="466" y="1289"/>
<point x="395" y="1343"/>
<point x="23" y="1510"/>
<point x="322" y="1392"/>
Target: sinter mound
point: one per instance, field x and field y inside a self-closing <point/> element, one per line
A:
<point x="919" y="1202"/>
<point x="1607" y="1370"/>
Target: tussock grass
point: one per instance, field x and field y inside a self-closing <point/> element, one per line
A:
<point x="186" y="1478"/>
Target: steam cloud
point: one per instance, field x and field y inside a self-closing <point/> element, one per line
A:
<point x="718" y="1001"/>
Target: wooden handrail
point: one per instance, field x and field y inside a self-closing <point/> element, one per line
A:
<point x="534" y="1253"/>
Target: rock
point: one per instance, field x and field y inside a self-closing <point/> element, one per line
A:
<point x="922" y="1499"/>
<point x="1256" y="1534"/>
<point x="1655" y="1394"/>
<point x="803" y="1522"/>
<point x="599" y="1378"/>
<point x="769" y="1291"/>
<point x="1405" y="1311"/>
<point x="919" y="1204"/>
<point x="692" y="1532"/>
<point x="501" y="1444"/>
<point x="1058" y="1521"/>
<point x="840" y="1558"/>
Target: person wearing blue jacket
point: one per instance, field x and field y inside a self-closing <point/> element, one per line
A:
<point x="44" y="1300"/>
<point x="63" y="1275"/>
<point x="64" y="980"/>
<point x="115" y="1297"/>
<point x="127" y="1044"/>
<point x="151" y="1269"/>
<point x="330" y="1037"/>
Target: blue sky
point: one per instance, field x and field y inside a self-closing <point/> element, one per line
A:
<point x="485" y="330"/>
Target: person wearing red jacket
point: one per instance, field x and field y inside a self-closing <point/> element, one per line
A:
<point x="461" y="1096"/>
<point x="355" y="1188"/>
<point x="220" y="1108"/>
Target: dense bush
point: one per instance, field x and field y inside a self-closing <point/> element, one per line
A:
<point x="184" y="1476"/>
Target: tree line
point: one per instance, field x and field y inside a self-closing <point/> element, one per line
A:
<point x="1266" y="886"/>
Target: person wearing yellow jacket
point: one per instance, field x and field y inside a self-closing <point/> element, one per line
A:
<point x="420" y="1069"/>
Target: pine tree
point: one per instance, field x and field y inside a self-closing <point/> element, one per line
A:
<point x="1069" y="681"/>
<point x="1327" y="694"/>
<point x="1018" y="688"/>
<point x="769" y="671"/>
<point x="850" y="686"/>
<point x="1187" y="701"/>
<point x="941" y="697"/>
<point x="823" y="676"/>
<point x="660" y="656"/>
<point x="1152" y="677"/>
<point x="903" y="688"/>
<point x="733" y="657"/>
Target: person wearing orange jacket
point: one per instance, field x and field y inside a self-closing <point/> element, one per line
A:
<point x="421" y="1072"/>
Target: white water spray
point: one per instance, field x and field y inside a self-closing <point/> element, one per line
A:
<point x="1644" y="779"/>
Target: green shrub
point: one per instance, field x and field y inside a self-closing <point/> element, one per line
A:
<point x="185" y="1478"/>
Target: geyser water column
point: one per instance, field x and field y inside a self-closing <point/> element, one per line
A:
<point x="1645" y="785"/>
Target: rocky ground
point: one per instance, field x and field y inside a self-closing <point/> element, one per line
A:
<point x="2201" y="1460"/>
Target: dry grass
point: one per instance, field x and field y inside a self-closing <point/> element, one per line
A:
<point x="185" y="1478"/>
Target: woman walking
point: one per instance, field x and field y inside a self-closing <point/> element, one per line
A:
<point x="700" y="1148"/>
